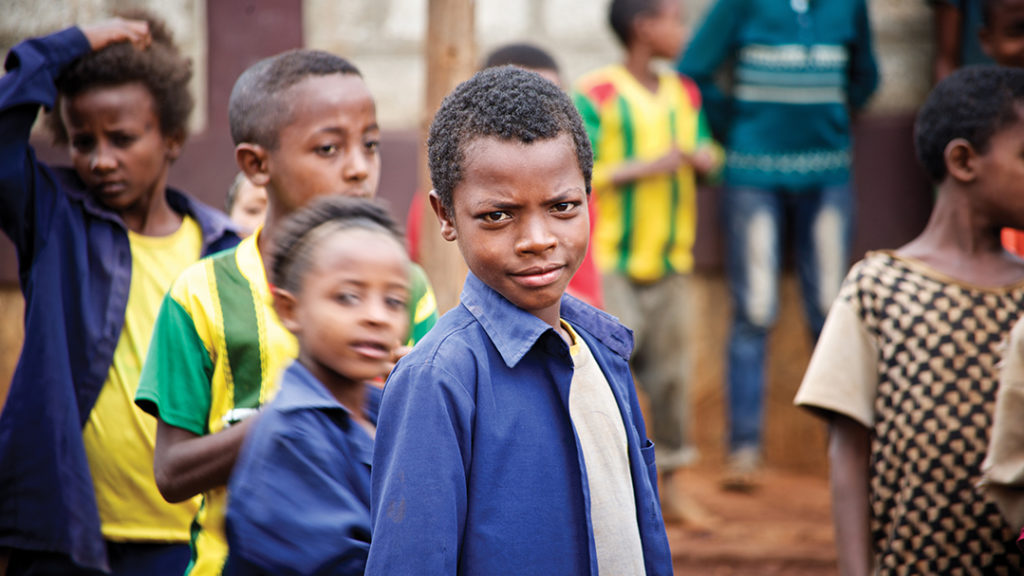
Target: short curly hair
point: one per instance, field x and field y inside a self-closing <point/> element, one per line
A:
<point x="504" y="102"/>
<point x="258" y="106"/>
<point x="623" y="13"/>
<point x="302" y="231"/>
<point x="973" y="103"/>
<point x="161" y="68"/>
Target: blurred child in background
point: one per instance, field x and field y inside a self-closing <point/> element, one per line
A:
<point x="98" y="245"/>
<point x="300" y="493"/>
<point x="906" y="369"/>
<point x="651" y="141"/>
<point x="246" y="204"/>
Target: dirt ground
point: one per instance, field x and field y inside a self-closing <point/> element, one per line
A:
<point x="783" y="528"/>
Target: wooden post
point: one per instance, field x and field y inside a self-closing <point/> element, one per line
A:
<point x="451" y="59"/>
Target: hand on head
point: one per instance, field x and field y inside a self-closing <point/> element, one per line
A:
<point x="103" y="34"/>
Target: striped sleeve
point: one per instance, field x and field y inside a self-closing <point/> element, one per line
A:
<point x="175" y="382"/>
<point x="422" y="305"/>
<point x="601" y="177"/>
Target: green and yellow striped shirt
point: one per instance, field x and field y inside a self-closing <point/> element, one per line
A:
<point x="645" y="229"/>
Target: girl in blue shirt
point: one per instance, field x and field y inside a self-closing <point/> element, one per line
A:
<point x="299" y="498"/>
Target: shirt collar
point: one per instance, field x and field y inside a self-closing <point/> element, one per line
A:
<point x="250" y="264"/>
<point x="515" y="331"/>
<point x="305" y="392"/>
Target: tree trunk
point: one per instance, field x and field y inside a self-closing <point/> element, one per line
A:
<point x="451" y="59"/>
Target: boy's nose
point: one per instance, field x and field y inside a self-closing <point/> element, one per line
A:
<point x="356" y="168"/>
<point x="102" y="160"/>
<point x="536" y="236"/>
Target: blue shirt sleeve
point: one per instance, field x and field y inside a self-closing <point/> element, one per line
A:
<point x="420" y="465"/>
<point x="294" y="499"/>
<point x="27" y="196"/>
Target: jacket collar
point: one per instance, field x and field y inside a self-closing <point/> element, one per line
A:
<point x="213" y="223"/>
<point x="515" y="331"/>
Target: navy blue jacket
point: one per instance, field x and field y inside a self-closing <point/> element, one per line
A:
<point x="476" y="465"/>
<point x="74" y="265"/>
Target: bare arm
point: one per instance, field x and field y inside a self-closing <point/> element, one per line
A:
<point x="948" y="22"/>
<point x="186" y="464"/>
<point x="702" y="161"/>
<point x="848" y="451"/>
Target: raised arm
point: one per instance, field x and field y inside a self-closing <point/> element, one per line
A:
<point x="27" y="194"/>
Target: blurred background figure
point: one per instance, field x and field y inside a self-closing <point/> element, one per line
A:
<point x="798" y="69"/>
<point x="246" y="204"/>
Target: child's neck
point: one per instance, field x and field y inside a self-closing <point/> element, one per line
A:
<point x="964" y="243"/>
<point x="265" y="241"/>
<point x="349" y="393"/>
<point x="152" y="216"/>
<point x="639" y="64"/>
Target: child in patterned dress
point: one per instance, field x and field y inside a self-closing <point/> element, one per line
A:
<point x="906" y="371"/>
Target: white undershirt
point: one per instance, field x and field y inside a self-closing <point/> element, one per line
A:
<point x="602" y="437"/>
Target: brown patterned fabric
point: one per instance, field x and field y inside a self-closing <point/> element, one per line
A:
<point x="938" y="345"/>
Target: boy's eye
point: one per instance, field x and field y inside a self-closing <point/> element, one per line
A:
<point x="82" y="143"/>
<point x="395" y="303"/>
<point x="122" y="140"/>
<point x="496" y="216"/>
<point x="327" y="150"/>
<point x="347" y="298"/>
<point x="372" y="145"/>
<point x="564" y="206"/>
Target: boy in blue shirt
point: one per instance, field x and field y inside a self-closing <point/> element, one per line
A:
<point x="510" y="439"/>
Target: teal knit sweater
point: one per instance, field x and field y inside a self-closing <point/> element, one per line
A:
<point x="796" y="69"/>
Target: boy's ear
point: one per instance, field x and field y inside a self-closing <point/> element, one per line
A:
<point x="445" y="219"/>
<point x="253" y="159"/>
<point x="961" y="160"/>
<point x="284" y="305"/>
<point x="174" y="144"/>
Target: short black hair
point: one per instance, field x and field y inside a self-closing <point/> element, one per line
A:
<point x="161" y="68"/>
<point x="258" y="107"/>
<point x="623" y="13"/>
<point x="521" y="54"/>
<point x="301" y="231"/>
<point x="504" y="102"/>
<point x="973" y="103"/>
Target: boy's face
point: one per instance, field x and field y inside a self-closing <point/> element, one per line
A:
<point x="250" y="206"/>
<point x="1000" y="171"/>
<point x="663" y="30"/>
<point x="116" y="145"/>
<point x="520" y="218"/>
<point x="329" y="145"/>
<point x="1003" y="41"/>
<point x="351" y="313"/>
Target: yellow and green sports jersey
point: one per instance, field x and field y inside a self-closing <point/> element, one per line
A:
<point x="645" y="229"/>
<point x="422" y="305"/>
<point x="118" y="437"/>
<point x="216" y="352"/>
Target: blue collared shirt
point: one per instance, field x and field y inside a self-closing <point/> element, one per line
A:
<point x="74" y="265"/>
<point x="477" y="468"/>
<point x="299" y="497"/>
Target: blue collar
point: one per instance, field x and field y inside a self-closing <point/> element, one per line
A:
<point x="515" y="331"/>
<point x="305" y="392"/>
<point x="213" y="223"/>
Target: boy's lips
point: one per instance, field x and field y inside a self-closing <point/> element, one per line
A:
<point x="539" y="276"/>
<point x="110" y="188"/>
<point x="372" y="349"/>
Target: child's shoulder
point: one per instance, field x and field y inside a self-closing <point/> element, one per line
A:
<point x="601" y="84"/>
